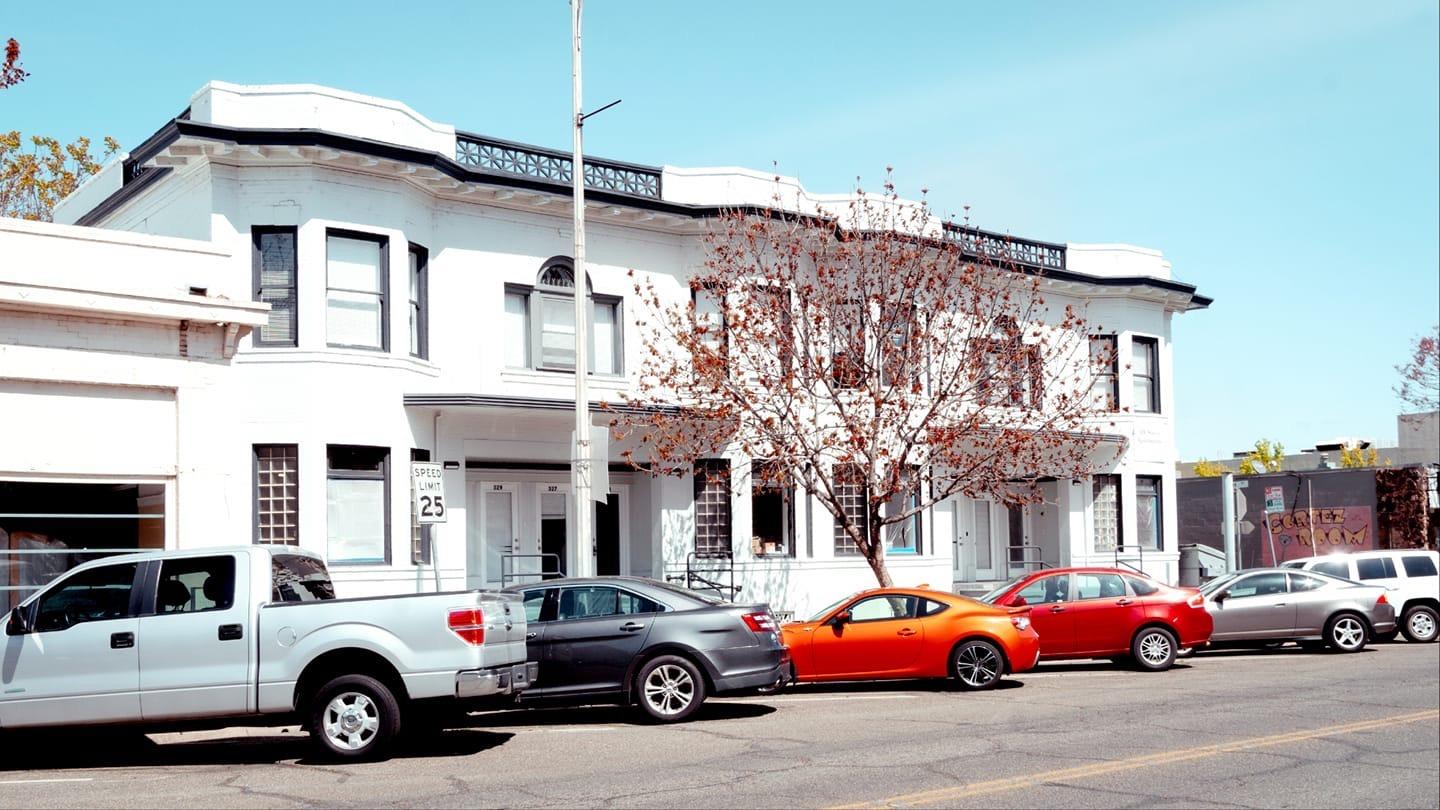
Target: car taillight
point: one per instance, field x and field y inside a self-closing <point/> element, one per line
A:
<point x="1020" y="622"/>
<point x="1381" y="601"/>
<point x="1196" y="601"/>
<point x="468" y="624"/>
<point x="759" y="622"/>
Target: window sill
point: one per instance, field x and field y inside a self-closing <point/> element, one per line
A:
<point x="561" y="377"/>
<point x="339" y="356"/>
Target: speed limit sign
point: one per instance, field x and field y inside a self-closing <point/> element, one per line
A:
<point x="428" y="490"/>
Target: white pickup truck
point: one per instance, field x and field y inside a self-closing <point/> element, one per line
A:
<point x="224" y="634"/>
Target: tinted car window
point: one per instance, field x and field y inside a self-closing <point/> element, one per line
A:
<point x="587" y="603"/>
<point x="1303" y="582"/>
<point x="1142" y="587"/>
<point x="880" y="608"/>
<point x="1098" y="586"/>
<point x="1375" y="568"/>
<point x="534" y="604"/>
<point x="196" y="584"/>
<point x="89" y="596"/>
<point x="1418" y="566"/>
<point x="931" y="607"/>
<point x="1335" y="568"/>
<point x="1046" y="590"/>
<point x="298" y="578"/>
<point x="635" y="603"/>
<point x="1258" y="585"/>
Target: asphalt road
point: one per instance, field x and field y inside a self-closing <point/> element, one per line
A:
<point x="1279" y="729"/>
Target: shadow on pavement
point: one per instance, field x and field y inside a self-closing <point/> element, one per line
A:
<point x="1095" y="666"/>
<point x="605" y="715"/>
<point x="1286" y="651"/>
<point x="864" y="687"/>
<point x="56" y="750"/>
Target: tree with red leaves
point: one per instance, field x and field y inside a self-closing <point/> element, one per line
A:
<point x="1419" y="386"/>
<point x="866" y="359"/>
<point x="10" y="71"/>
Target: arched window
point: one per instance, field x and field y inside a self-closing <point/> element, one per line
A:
<point x="540" y="323"/>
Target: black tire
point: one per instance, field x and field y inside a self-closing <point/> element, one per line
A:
<point x="1153" y="649"/>
<point x="669" y="689"/>
<point x="1312" y="646"/>
<point x="354" y="717"/>
<point x="1428" y="619"/>
<point x="1347" y="632"/>
<point x="977" y="665"/>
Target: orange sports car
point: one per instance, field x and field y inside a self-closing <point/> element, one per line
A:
<point x="888" y="633"/>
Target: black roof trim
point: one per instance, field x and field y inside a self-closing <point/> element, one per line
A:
<point x="181" y="127"/>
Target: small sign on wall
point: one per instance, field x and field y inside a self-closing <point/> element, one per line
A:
<point x="428" y="489"/>
<point x="1274" y="499"/>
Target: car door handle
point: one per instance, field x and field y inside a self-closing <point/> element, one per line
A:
<point x="905" y="632"/>
<point x="1057" y="609"/>
<point x="1123" y="602"/>
<point x="122" y="641"/>
<point x="230" y="632"/>
<point x="531" y="636"/>
<point x="1282" y="604"/>
<point x="631" y="627"/>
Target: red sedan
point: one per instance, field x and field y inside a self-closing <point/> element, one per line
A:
<point x="1108" y="613"/>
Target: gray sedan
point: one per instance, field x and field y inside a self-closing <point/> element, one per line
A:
<point x="1271" y="605"/>
<point x="638" y="641"/>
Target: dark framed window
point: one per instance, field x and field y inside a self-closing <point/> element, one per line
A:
<point x="904" y="537"/>
<point x="885" y="608"/>
<point x="96" y="595"/>
<point x="1008" y="371"/>
<point x="772" y="511"/>
<point x="1418" y="566"/>
<point x="1105" y="370"/>
<point x="899" y="327"/>
<point x="853" y="495"/>
<point x="1015" y="527"/>
<point x="847" y="345"/>
<point x="1105" y="512"/>
<point x="540" y="323"/>
<point x="420" y="537"/>
<point x="277" y="493"/>
<point x="1367" y="568"/>
<point x="1145" y="367"/>
<point x="712" y="507"/>
<point x="357" y="282"/>
<point x="1148" y="515"/>
<point x="419" y="302"/>
<point x="273" y="270"/>
<point x="358" y="504"/>
<point x="711" y="331"/>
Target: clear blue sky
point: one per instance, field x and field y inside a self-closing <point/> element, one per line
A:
<point x="1284" y="155"/>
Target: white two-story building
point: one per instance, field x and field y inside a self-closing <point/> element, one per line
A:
<point x="420" y="300"/>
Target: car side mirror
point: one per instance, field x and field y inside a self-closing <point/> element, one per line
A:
<point x="19" y="623"/>
<point x="1221" y="597"/>
<point x="1016" y="601"/>
<point x="840" y="618"/>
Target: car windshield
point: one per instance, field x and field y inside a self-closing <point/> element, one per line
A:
<point x="990" y="597"/>
<point x="837" y="603"/>
<point x="1216" y="584"/>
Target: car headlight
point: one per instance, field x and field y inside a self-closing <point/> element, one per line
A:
<point x="1020" y="622"/>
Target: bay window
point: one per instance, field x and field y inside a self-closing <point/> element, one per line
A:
<point x="1105" y="372"/>
<point x="358" y="504"/>
<point x="772" y="511"/>
<point x="357" y="273"/>
<point x="273" y="270"/>
<point x="1144" y="365"/>
<point x="419" y="302"/>
<point x="1147" y="511"/>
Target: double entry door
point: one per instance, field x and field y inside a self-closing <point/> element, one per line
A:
<point x="523" y="531"/>
<point x="989" y="540"/>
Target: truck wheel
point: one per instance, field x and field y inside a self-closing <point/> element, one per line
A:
<point x="1420" y="624"/>
<point x="354" y="717"/>
<point x="669" y="689"/>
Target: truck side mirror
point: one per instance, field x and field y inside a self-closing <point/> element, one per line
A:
<point x="19" y="623"/>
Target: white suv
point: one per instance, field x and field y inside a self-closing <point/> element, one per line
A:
<point x="1412" y="576"/>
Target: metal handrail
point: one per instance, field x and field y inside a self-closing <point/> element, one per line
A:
<point x="1025" y="560"/>
<point x="508" y="573"/>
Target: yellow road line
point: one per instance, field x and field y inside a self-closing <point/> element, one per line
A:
<point x="958" y="792"/>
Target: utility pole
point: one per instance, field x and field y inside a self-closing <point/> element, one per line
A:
<point x="584" y="514"/>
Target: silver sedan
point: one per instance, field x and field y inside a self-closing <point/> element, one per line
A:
<point x="1270" y="605"/>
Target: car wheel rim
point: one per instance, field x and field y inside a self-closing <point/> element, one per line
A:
<point x="1348" y="634"/>
<point x="1155" y="649"/>
<point x="1422" y="625"/>
<point x="977" y="665"/>
<point x="351" y="721"/>
<point x="669" y="689"/>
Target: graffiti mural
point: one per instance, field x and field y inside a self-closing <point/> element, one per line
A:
<point x="1335" y="528"/>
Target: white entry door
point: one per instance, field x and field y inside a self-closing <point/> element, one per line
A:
<point x="493" y="536"/>
<point x="989" y="559"/>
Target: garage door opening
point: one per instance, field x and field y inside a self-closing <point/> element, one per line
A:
<point x="46" y="528"/>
